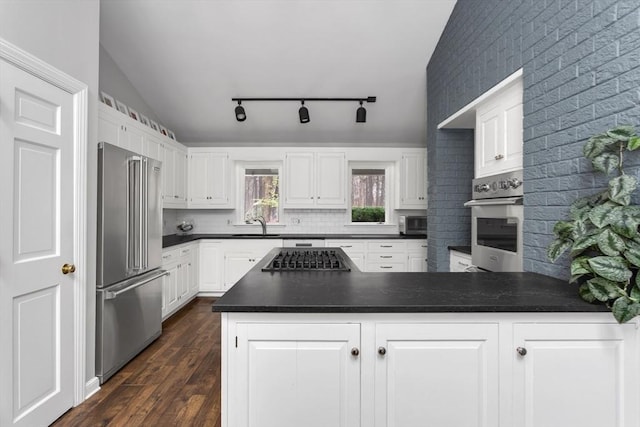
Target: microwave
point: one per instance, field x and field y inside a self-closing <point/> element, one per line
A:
<point x="409" y="224"/>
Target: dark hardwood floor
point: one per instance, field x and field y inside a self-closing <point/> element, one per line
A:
<point x="173" y="382"/>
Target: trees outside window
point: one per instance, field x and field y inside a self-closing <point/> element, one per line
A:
<point x="368" y="195"/>
<point x="262" y="194"/>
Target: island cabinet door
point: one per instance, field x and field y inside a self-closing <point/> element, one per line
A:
<point x="575" y="375"/>
<point x="292" y="375"/>
<point x="437" y="375"/>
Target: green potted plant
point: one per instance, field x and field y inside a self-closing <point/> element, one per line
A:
<point x="602" y="232"/>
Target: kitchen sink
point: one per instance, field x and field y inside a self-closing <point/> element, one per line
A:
<point x="255" y="236"/>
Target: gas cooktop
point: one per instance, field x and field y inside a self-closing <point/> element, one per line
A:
<point x="314" y="259"/>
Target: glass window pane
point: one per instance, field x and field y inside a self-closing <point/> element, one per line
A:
<point x="368" y="195"/>
<point x="262" y="194"/>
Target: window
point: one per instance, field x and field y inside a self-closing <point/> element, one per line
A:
<point x="369" y="194"/>
<point x="261" y="193"/>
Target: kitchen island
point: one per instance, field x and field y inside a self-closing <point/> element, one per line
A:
<point x="324" y="348"/>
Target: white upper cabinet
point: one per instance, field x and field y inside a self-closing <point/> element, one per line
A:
<point x="174" y="165"/>
<point x="125" y="132"/>
<point x="315" y="180"/>
<point x="498" y="146"/>
<point x="209" y="181"/>
<point x="413" y="181"/>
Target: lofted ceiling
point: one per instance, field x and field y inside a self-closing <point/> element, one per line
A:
<point x="188" y="58"/>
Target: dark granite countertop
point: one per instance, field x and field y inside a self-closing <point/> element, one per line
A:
<point x="357" y="292"/>
<point x="176" y="239"/>
<point x="463" y="249"/>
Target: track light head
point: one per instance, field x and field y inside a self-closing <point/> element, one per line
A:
<point x="303" y="112"/>
<point x="241" y="116"/>
<point x="361" y="114"/>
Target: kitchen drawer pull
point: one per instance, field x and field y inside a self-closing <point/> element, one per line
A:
<point x="464" y="264"/>
<point x="499" y="157"/>
<point x="346" y="246"/>
<point x="386" y="266"/>
<point x="386" y="256"/>
<point x="386" y="246"/>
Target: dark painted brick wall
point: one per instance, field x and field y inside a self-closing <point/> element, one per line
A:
<point x="581" y="66"/>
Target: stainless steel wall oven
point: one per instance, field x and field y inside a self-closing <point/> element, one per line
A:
<point x="497" y="217"/>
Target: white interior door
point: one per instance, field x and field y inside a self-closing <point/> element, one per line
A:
<point x="37" y="239"/>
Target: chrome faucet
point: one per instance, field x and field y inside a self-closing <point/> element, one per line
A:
<point x="263" y="223"/>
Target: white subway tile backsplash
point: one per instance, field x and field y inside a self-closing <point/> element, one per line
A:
<point x="294" y="221"/>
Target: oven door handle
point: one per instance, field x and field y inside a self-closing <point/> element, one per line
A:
<point x="495" y="202"/>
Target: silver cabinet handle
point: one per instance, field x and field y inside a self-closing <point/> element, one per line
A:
<point x="386" y="256"/>
<point x="346" y="246"/>
<point x="386" y="266"/>
<point x="521" y="351"/>
<point x="355" y="352"/>
<point x="382" y="351"/>
<point x="499" y="157"/>
<point x="386" y="246"/>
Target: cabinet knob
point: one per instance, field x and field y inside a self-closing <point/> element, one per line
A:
<point x="355" y="352"/>
<point x="499" y="157"/>
<point x="382" y="351"/>
<point x="521" y="351"/>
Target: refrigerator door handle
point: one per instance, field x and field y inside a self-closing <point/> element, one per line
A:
<point x="113" y="295"/>
<point x="134" y="214"/>
<point x="144" y="216"/>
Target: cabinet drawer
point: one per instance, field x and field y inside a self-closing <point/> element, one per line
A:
<point x="416" y="245"/>
<point x="458" y="261"/>
<point x="170" y="255"/>
<point x="185" y="252"/>
<point x="386" y="267"/>
<point x="347" y="246"/>
<point x="384" y="246"/>
<point x="380" y="257"/>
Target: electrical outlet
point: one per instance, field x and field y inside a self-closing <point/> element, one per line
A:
<point x="229" y="222"/>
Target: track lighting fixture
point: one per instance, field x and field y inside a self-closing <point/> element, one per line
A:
<point x="361" y="114"/>
<point x="241" y="116"/>
<point x="303" y="112"/>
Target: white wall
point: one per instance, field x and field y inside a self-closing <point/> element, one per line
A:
<point x="65" y="34"/>
<point x="115" y="83"/>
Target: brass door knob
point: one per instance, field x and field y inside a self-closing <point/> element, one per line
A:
<point x="68" y="268"/>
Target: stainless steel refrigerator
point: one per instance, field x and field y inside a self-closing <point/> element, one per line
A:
<point x="129" y="278"/>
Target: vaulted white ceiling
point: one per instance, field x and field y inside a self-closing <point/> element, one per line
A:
<point x="188" y="58"/>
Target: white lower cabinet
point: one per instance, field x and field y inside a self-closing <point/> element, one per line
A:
<point x="459" y="262"/>
<point x="417" y="259"/>
<point x="429" y="369"/>
<point x="288" y="375"/>
<point x="211" y="263"/>
<point x="180" y="285"/>
<point x="240" y="256"/>
<point x="355" y="250"/>
<point x="425" y="370"/>
<point x="575" y="375"/>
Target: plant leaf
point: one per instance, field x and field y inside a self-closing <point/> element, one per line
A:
<point x="580" y="266"/>
<point x="602" y="215"/>
<point x="557" y="248"/>
<point x="606" y="162"/>
<point x="610" y="243"/>
<point x="624" y="309"/>
<point x="580" y="229"/>
<point x="634" y="143"/>
<point x="610" y="267"/>
<point x="596" y="145"/>
<point x="625" y="222"/>
<point x="621" y="188"/>
<point x="583" y="243"/>
<point x="621" y="133"/>
<point x="632" y="254"/>
<point x="635" y="293"/>
<point x="603" y="289"/>
<point x="585" y="293"/>
<point x="563" y="229"/>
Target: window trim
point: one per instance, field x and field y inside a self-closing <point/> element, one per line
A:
<point x="241" y="167"/>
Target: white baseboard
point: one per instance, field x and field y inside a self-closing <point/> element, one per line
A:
<point x="91" y="387"/>
<point x="210" y="293"/>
